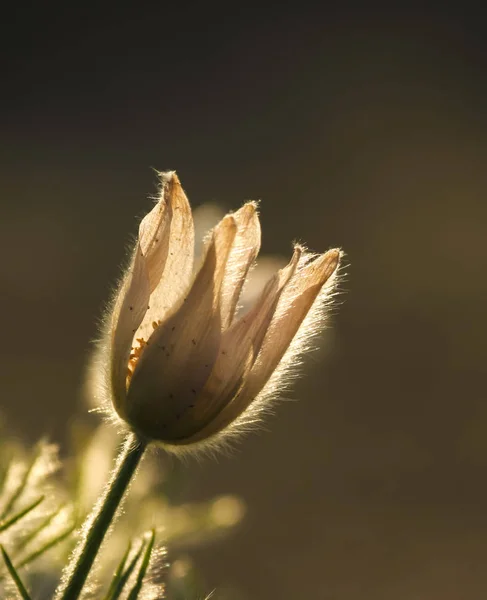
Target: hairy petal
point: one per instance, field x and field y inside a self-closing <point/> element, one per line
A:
<point x="294" y="303"/>
<point x="244" y="251"/>
<point x="154" y="231"/>
<point x="174" y="265"/>
<point x="142" y="278"/>
<point x="127" y="315"/>
<point x="239" y="349"/>
<point x="180" y="354"/>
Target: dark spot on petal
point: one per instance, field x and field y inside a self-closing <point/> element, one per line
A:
<point x="171" y="396"/>
<point x="173" y="327"/>
<point x="194" y="391"/>
<point x="131" y="308"/>
<point x="194" y="342"/>
<point x="191" y="406"/>
<point x="224" y="351"/>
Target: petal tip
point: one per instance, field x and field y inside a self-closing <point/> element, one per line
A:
<point x="334" y="255"/>
<point x="168" y="176"/>
<point x="330" y="262"/>
<point x="298" y="251"/>
<point x="251" y="206"/>
<point x="228" y="223"/>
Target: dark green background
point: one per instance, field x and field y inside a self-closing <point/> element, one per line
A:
<point x="363" y="128"/>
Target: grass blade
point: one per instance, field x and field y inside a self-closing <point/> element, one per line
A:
<point x="4" y="469"/>
<point x="13" y="573"/>
<point x="47" y="546"/>
<point x="125" y="575"/>
<point x="32" y="534"/>
<point x="134" y="592"/>
<point x="118" y="572"/>
<point x="6" y="524"/>
<point x="20" y="488"/>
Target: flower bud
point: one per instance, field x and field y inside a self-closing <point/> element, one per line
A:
<point x="183" y="366"/>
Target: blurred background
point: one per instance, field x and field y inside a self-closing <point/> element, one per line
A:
<point x="364" y="128"/>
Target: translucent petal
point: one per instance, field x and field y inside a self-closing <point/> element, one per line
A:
<point x="160" y="237"/>
<point x="154" y="230"/>
<point x="127" y="315"/>
<point x="244" y="251"/>
<point x="296" y="299"/>
<point x="176" y="256"/>
<point x="180" y="354"/>
<point x="239" y="348"/>
<point x="294" y="305"/>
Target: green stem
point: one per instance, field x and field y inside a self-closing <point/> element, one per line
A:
<point x="98" y="522"/>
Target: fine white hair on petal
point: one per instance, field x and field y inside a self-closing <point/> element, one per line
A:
<point x="239" y="349"/>
<point x="303" y="341"/>
<point x="174" y="362"/>
<point x="128" y="313"/>
<point x="245" y="248"/>
<point x="163" y="258"/>
<point x="148" y="264"/>
<point x="175" y="277"/>
<point x="181" y="352"/>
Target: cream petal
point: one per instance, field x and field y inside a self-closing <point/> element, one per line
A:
<point x="173" y="265"/>
<point x="154" y="230"/>
<point x="239" y="348"/>
<point x="243" y="254"/>
<point x="294" y="304"/>
<point x="150" y="262"/>
<point x="180" y="354"/>
<point x="127" y="315"/>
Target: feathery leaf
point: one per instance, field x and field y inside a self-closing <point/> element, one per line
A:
<point x="118" y="589"/>
<point x="118" y="572"/>
<point x="8" y="523"/>
<point x="13" y="573"/>
<point x="134" y="592"/>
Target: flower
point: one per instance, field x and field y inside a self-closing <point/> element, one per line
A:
<point x="182" y="365"/>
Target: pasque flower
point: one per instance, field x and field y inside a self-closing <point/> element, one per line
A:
<point x="182" y="365"/>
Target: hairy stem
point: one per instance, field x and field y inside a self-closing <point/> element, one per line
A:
<point x="98" y="522"/>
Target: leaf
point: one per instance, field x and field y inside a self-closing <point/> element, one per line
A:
<point x="47" y="546"/>
<point x="13" y="573"/>
<point x="20" y="488"/>
<point x="134" y="592"/>
<point x="6" y="524"/>
<point x="125" y="575"/>
<point x="32" y="534"/>
<point x="4" y="468"/>
<point x="118" y="573"/>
